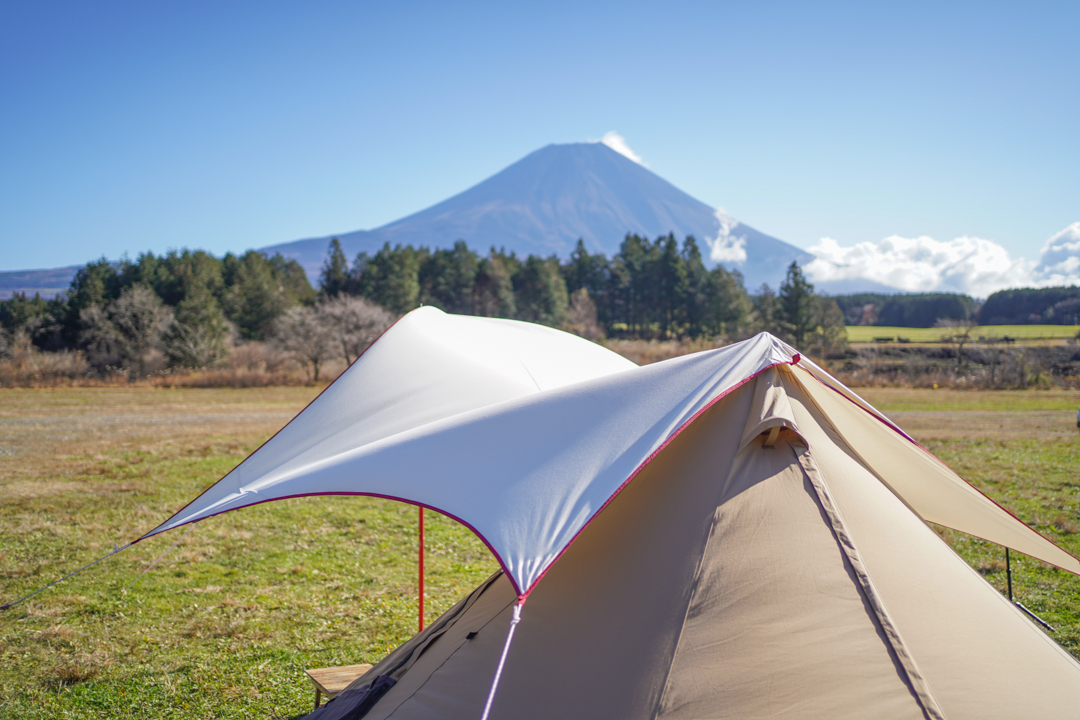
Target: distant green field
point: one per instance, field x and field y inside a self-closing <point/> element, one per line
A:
<point x="867" y="333"/>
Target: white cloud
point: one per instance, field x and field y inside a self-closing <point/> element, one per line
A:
<point x="971" y="265"/>
<point x="1059" y="261"/>
<point x="617" y="142"/>
<point x="725" y="247"/>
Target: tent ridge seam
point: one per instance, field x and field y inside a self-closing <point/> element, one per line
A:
<point x="923" y="693"/>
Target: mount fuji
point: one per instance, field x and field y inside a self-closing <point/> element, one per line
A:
<point x="545" y="202"/>
<point x="541" y="205"/>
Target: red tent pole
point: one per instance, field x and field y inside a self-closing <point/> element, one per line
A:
<point x="420" y="601"/>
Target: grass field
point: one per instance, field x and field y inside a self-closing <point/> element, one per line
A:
<point x="225" y="624"/>
<point x="867" y="333"/>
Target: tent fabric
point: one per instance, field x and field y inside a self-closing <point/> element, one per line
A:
<point x="951" y="620"/>
<point x="629" y="606"/>
<point x="734" y="580"/>
<point x="427" y="367"/>
<point x="526" y="474"/>
<point x="729" y="534"/>
<point x="928" y="486"/>
<point x="774" y="592"/>
<point x="524" y="433"/>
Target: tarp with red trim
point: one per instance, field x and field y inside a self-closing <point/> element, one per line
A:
<point x="524" y="433"/>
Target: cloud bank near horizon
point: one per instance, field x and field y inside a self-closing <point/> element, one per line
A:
<point x="971" y="265"/>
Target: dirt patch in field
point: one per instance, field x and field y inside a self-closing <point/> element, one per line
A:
<point x="43" y="433"/>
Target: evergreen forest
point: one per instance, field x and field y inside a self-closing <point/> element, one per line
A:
<point x="191" y="307"/>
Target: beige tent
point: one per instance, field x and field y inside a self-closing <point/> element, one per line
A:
<point x="747" y="572"/>
<point x="729" y="534"/>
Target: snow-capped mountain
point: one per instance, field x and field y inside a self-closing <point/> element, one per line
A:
<point x="547" y="200"/>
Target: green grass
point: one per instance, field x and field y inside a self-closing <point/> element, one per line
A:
<point x="1037" y="479"/>
<point x="224" y="626"/>
<point x="867" y="333"/>
<point x="1022" y="449"/>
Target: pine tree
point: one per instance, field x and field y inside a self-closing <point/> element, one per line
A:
<point x="391" y="277"/>
<point x="592" y="273"/>
<point x="493" y="291"/>
<point x="261" y="289"/>
<point x="447" y="279"/>
<point x="540" y="292"/>
<point x="199" y="333"/>
<point x="636" y="282"/>
<point x="797" y="304"/>
<point x="669" y="272"/>
<point x="334" y="279"/>
<point x="728" y="308"/>
<point x="768" y="312"/>
<point x="96" y="284"/>
<point x="696" y="289"/>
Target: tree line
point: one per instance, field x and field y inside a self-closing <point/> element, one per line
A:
<point x="652" y="289"/>
<point x="187" y="304"/>
<point x="907" y="310"/>
<point x="189" y="307"/>
<point x="1032" y="306"/>
<point x="1018" y="306"/>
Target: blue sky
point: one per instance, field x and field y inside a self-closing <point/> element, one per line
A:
<point x="144" y="126"/>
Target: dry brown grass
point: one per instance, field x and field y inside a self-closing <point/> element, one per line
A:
<point x="645" y="352"/>
<point x="26" y="366"/>
<point x="47" y="434"/>
<point x="252" y="364"/>
<point x="78" y="668"/>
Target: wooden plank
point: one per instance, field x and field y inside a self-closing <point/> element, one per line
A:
<point x="332" y="680"/>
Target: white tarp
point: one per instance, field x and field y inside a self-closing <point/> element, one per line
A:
<point x="524" y="433"/>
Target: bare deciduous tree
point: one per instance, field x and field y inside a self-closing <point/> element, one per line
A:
<point x="300" y="332"/>
<point x="353" y="323"/>
<point x="582" y="317"/>
<point x="194" y="346"/>
<point x="959" y="335"/>
<point x="122" y="334"/>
